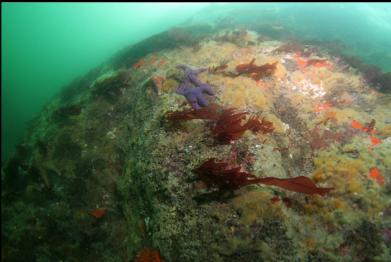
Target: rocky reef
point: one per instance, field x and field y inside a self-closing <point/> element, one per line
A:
<point x="109" y="172"/>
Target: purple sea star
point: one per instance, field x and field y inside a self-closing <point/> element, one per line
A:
<point x="194" y="95"/>
<point x="191" y="74"/>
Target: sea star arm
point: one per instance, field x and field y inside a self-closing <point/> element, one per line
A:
<point x="207" y="89"/>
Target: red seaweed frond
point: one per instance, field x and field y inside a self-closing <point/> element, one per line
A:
<point x="219" y="68"/>
<point x="229" y="124"/>
<point x="264" y="71"/>
<point x="255" y="125"/>
<point x="229" y="127"/>
<point x="300" y="184"/>
<point x="256" y="72"/>
<point x="225" y="176"/>
<point x="245" y="68"/>
<point x="210" y="112"/>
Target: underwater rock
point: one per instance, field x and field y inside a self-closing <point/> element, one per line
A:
<point x="119" y="183"/>
<point x="109" y="88"/>
<point x="289" y="48"/>
<point x="371" y="73"/>
<point x="67" y="148"/>
<point x="63" y="114"/>
<point x="367" y="238"/>
<point x="384" y="82"/>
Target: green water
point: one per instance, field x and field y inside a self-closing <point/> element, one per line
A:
<point x="46" y="45"/>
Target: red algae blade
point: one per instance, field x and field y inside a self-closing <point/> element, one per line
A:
<point x="300" y="184"/>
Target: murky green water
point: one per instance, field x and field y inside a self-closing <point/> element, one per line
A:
<point x="45" y="46"/>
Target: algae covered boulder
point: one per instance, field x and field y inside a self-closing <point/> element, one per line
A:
<point x="273" y="165"/>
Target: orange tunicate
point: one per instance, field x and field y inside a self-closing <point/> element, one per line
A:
<point x="375" y="140"/>
<point x="300" y="61"/>
<point x="356" y="124"/>
<point x="319" y="63"/>
<point x="374" y="173"/>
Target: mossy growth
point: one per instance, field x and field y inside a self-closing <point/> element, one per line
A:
<point x="365" y="242"/>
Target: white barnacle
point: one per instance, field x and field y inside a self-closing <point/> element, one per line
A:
<point x="111" y="134"/>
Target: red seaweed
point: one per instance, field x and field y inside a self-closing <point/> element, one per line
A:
<point x="256" y="72"/>
<point x="225" y="176"/>
<point x="219" y="68"/>
<point x="264" y="126"/>
<point x="229" y="126"/>
<point x="300" y="184"/>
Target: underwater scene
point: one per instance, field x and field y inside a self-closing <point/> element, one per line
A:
<point x="211" y="132"/>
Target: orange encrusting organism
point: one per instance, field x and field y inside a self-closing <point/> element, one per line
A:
<point x="356" y="124"/>
<point x="323" y="106"/>
<point x="374" y="173"/>
<point x="301" y="62"/>
<point x="375" y="140"/>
